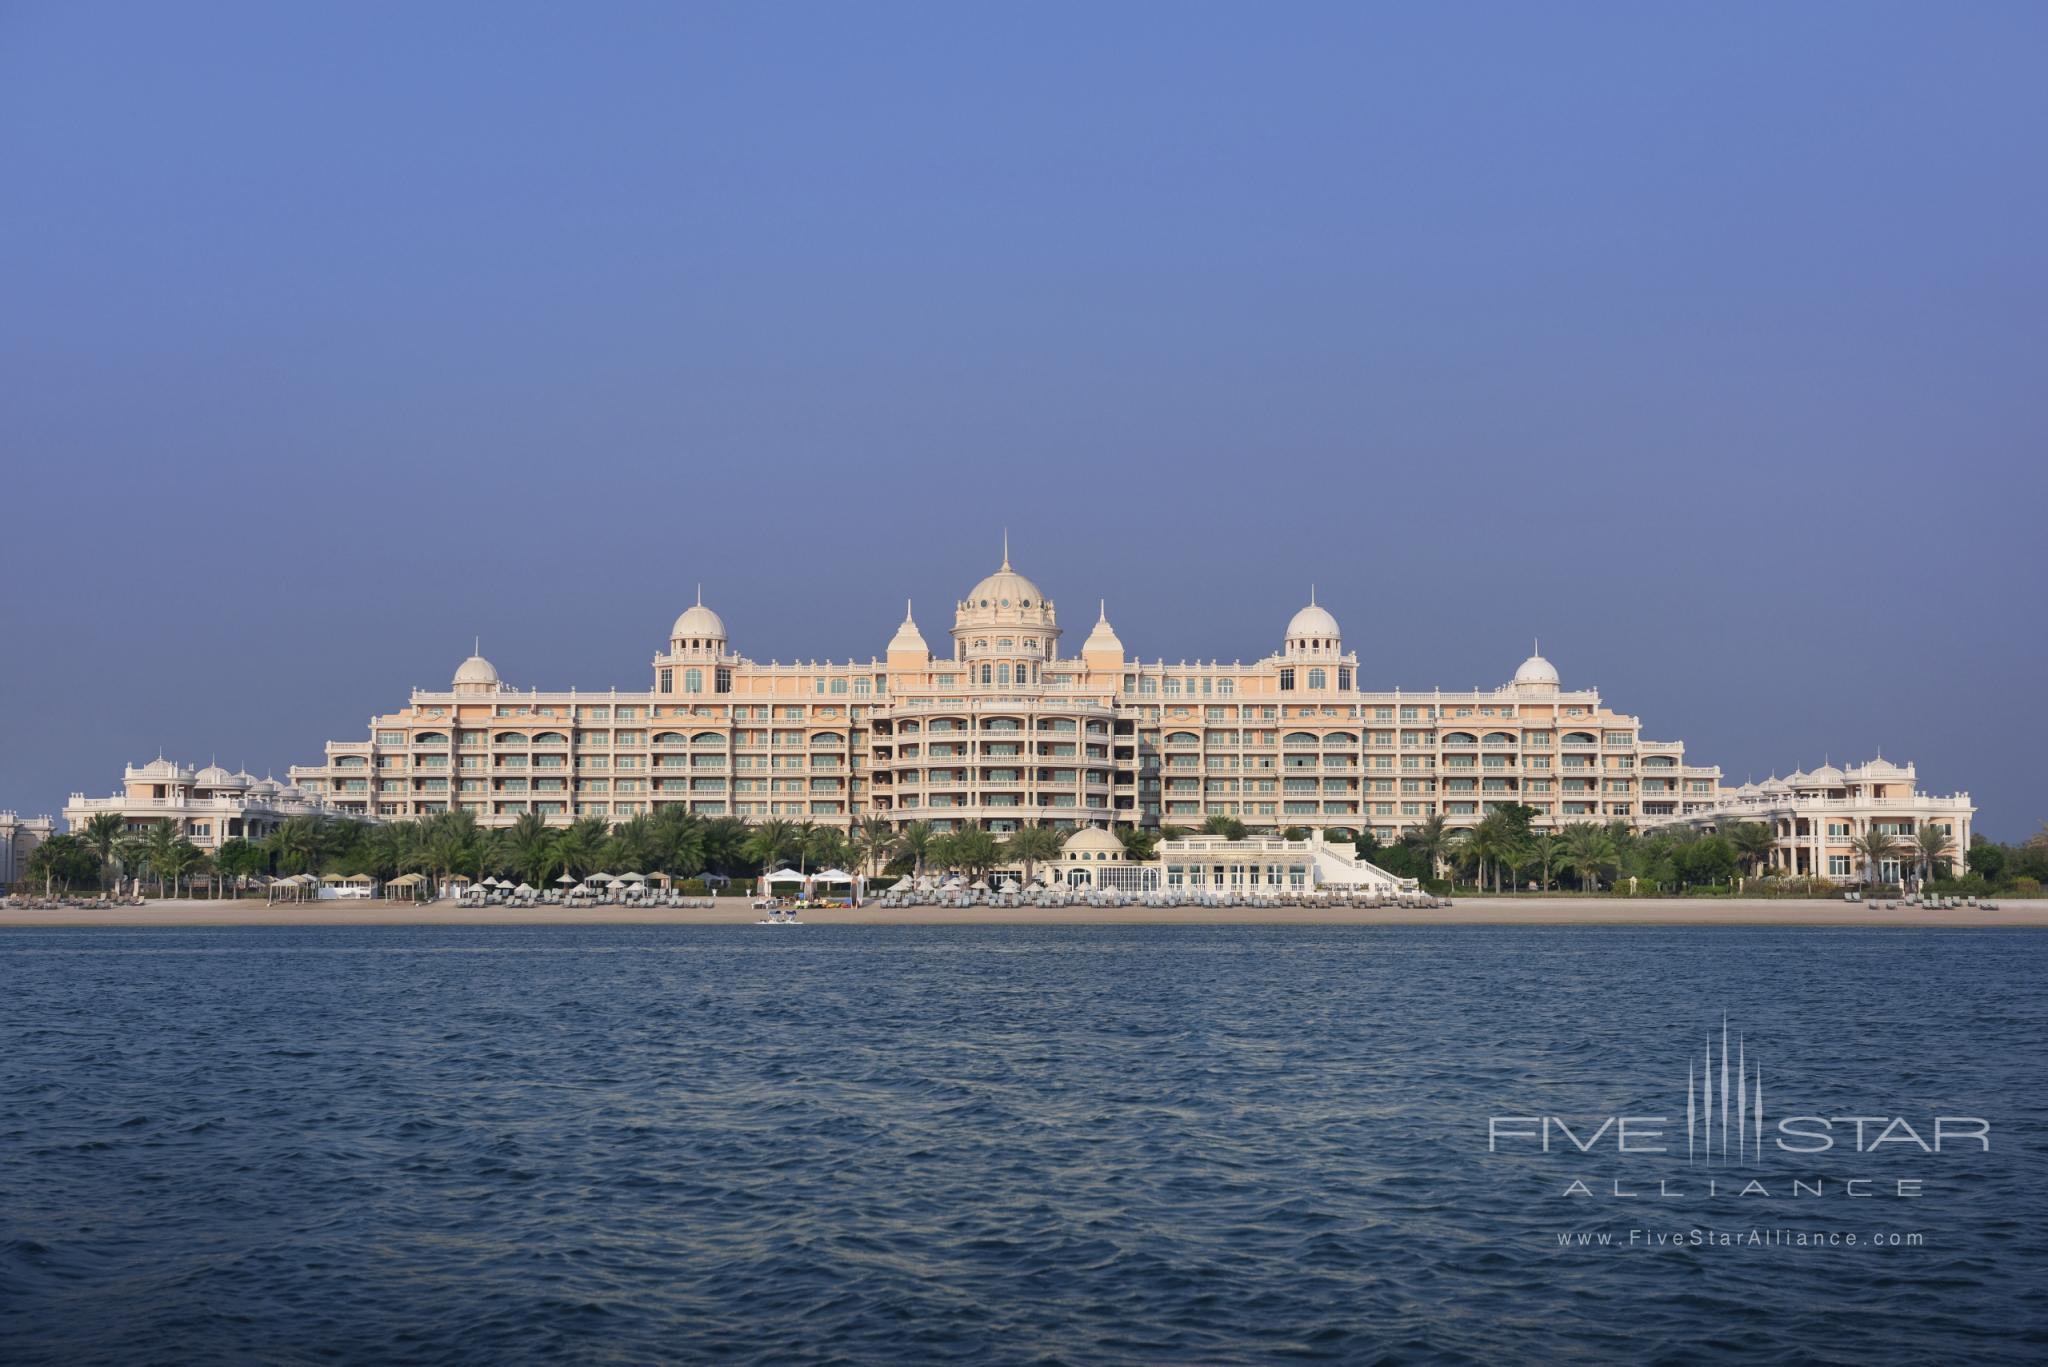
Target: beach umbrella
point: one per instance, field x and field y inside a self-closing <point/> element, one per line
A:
<point x="565" y="878"/>
<point x="616" y="883"/>
<point x="522" y="888"/>
<point x="1009" y="885"/>
<point x="978" y="885"/>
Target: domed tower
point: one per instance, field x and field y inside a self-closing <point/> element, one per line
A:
<point x="1537" y="677"/>
<point x="1314" y="632"/>
<point x="699" y="634"/>
<point x="1005" y="629"/>
<point x="476" y="675"/>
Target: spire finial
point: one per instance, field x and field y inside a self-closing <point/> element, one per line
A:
<point x="1311" y="595"/>
<point x="1103" y="615"/>
<point x="906" y="612"/>
<point x="1535" y="645"/>
<point x="700" y="593"/>
<point x="1006" y="548"/>
<point x="476" y="645"/>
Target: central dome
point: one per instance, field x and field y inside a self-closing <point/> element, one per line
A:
<point x="1005" y="589"/>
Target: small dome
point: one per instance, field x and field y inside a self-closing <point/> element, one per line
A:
<point x="1092" y="840"/>
<point x="477" y="670"/>
<point x="213" y="776"/>
<point x="1827" y="776"/>
<point x="264" y="785"/>
<point x="698" y="622"/>
<point x="159" y="768"/>
<point x="1537" y="670"/>
<point x="244" y="779"/>
<point x="908" y="637"/>
<point x="1312" y="621"/>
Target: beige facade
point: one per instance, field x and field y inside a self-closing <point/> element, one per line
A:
<point x="1816" y="818"/>
<point x="1004" y="727"/>
<point x="209" y="805"/>
<point x="19" y="836"/>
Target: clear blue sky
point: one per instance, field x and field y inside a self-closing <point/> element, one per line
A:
<point x="1705" y="342"/>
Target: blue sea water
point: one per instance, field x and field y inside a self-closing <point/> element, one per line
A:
<point x="1000" y="1144"/>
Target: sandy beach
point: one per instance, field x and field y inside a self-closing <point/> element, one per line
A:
<point x="1514" y="911"/>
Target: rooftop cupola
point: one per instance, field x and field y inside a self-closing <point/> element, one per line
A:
<point x="1005" y="615"/>
<point x="1537" y="676"/>
<point x="1313" y="631"/>
<point x="699" y="631"/>
<point x="476" y="674"/>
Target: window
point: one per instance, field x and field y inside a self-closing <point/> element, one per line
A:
<point x="668" y="681"/>
<point x="1317" y="678"/>
<point x="693" y="681"/>
<point x="1287" y="679"/>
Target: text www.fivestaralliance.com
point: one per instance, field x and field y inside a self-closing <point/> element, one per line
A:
<point x="1755" y="1236"/>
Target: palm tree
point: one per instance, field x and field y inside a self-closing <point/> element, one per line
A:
<point x="1752" y="842"/>
<point x="102" y="835"/>
<point x="871" y="842"/>
<point x="1139" y="844"/>
<point x="1549" y="849"/>
<point x="532" y="847"/>
<point x="1932" y="843"/>
<point x="974" y="850"/>
<point x="160" y="849"/>
<point x="300" y="842"/>
<point x="579" y="845"/>
<point x="181" y="859"/>
<point x="1484" y="845"/>
<point x="1431" y="840"/>
<point x="823" y="847"/>
<point x="725" y="838"/>
<point x="1589" y="852"/>
<point x="1229" y="827"/>
<point x="771" y="842"/>
<point x="678" y="840"/>
<point x="1875" y="847"/>
<point x="1032" y="844"/>
<point x="916" y="841"/>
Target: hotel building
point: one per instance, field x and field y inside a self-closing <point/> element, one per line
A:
<point x="1816" y="818"/>
<point x="1005" y="726"/>
<point x="210" y="806"/>
<point x="19" y="836"/>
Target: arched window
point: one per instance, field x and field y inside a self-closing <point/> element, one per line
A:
<point x="1318" y="679"/>
<point x="510" y="738"/>
<point x="669" y="738"/>
<point x="708" y="738"/>
<point x="430" y="738"/>
<point x="1003" y="674"/>
<point x="551" y="738"/>
<point x="693" y="681"/>
<point x="988" y="675"/>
